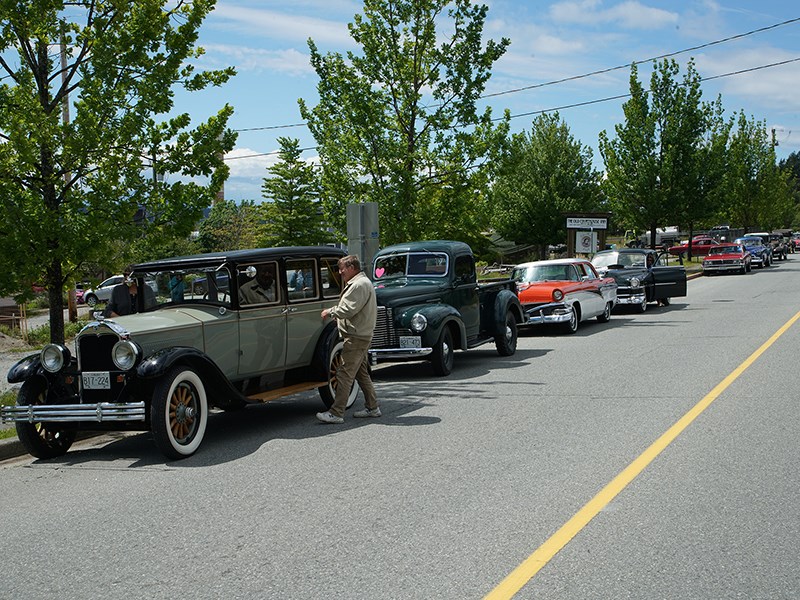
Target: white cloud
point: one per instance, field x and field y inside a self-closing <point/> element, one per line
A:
<point x="289" y="61"/>
<point x="279" y="25"/>
<point x="245" y="162"/>
<point x="630" y="14"/>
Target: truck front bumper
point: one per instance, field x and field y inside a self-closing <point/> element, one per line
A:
<point x="62" y="413"/>
<point x="376" y="354"/>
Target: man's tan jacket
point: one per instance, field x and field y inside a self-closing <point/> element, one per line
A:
<point x="357" y="310"/>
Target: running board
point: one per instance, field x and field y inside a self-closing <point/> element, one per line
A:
<point x="270" y="395"/>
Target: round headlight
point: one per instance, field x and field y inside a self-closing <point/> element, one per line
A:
<point x="54" y="357"/>
<point x="418" y="323"/>
<point x="635" y="282"/>
<point x="125" y="354"/>
<point x="558" y="295"/>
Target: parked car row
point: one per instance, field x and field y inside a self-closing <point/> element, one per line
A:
<point x="240" y="329"/>
<point x="740" y="256"/>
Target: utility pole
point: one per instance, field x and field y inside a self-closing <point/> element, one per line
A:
<point x="72" y="306"/>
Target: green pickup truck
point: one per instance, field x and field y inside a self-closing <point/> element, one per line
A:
<point x="430" y="304"/>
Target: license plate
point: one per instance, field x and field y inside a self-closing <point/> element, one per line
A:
<point x="410" y="341"/>
<point x="96" y="380"/>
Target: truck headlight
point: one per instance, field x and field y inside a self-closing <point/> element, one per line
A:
<point x="54" y="357"/>
<point x="418" y="323"/>
<point x="558" y="295"/>
<point x="125" y="354"/>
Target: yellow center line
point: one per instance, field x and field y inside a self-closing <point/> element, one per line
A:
<point x="542" y="555"/>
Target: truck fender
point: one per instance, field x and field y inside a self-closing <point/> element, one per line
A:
<point x="506" y="301"/>
<point x="438" y="316"/>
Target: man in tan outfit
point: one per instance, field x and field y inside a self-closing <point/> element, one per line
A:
<point x="355" y="314"/>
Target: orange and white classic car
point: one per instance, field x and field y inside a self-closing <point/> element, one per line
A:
<point x="564" y="292"/>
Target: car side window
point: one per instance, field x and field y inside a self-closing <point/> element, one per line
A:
<point x="258" y="284"/>
<point x="301" y="279"/>
<point x="330" y="278"/>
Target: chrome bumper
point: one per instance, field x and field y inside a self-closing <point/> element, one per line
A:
<point x="556" y="312"/>
<point x="635" y="298"/>
<point x="389" y="353"/>
<point x="722" y="267"/>
<point x="99" y="413"/>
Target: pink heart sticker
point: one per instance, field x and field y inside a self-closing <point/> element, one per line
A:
<point x="379" y="272"/>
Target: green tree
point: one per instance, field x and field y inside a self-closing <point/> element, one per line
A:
<point x="653" y="165"/>
<point x="230" y="226"/>
<point x="791" y="167"/>
<point x="293" y="214"/>
<point x="545" y="174"/>
<point x="397" y="123"/>
<point x="758" y="193"/>
<point x="77" y="190"/>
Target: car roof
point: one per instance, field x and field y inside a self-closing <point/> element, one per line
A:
<point x="553" y="261"/>
<point x="215" y="259"/>
<point x="449" y="246"/>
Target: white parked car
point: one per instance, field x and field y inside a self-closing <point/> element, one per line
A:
<point x="102" y="293"/>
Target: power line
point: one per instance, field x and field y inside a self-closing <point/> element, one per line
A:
<point x="576" y="104"/>
<point x="585" y="75"/>
<point x="620" y="96"/>
<point x="639" y="62"/>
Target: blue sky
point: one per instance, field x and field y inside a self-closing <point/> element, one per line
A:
<point x="267" y="43"/>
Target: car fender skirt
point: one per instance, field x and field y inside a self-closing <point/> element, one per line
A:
<point x="25" y="369"/>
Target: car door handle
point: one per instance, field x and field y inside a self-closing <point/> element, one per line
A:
<point x="288" y="309"/>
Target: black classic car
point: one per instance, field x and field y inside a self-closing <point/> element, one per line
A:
<point x="220" y="331"/>
<point x="641" y="276"/>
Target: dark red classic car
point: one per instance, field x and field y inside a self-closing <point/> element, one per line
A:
<point x="726" y="258"/>
<point x="700" y="246"/>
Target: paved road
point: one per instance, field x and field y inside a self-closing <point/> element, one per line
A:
<point x="464" y="478"/>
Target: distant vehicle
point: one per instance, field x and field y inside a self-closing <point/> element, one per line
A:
<point x="700" y="245"/>
<point x="721" y="232"/>
<point x="727" y="257"/>
<point x="761" y="254"/>
<point x="102" y="293"/>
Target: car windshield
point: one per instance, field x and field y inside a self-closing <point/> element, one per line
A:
<point x="186" y="286"/>
<point x="750" y="241"/>
<point x="626" y="259"/>
<point x="723" y="250"/>
<point x="413" y="264"/>
<point x="534" y="273"/>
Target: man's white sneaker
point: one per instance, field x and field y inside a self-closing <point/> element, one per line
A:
<point x="367" y="412"/>
<point x="327" y="417"/>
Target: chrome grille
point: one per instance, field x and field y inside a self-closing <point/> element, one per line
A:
<point x="385" y="334"/>
<point x="94" y="354"/>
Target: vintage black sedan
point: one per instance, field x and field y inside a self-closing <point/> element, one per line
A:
<point x="219" y="331"/>
<point x="641" y="275"/>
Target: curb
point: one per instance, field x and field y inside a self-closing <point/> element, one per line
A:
<point x="11" y="448"/>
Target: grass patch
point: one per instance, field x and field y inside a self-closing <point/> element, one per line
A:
<point x="8" y="398"/>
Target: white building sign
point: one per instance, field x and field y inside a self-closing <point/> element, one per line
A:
<point x="587" y="223"/>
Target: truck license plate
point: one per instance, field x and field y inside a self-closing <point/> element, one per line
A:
<point x="410" y="341"/>
<point x="96" y="380"/>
